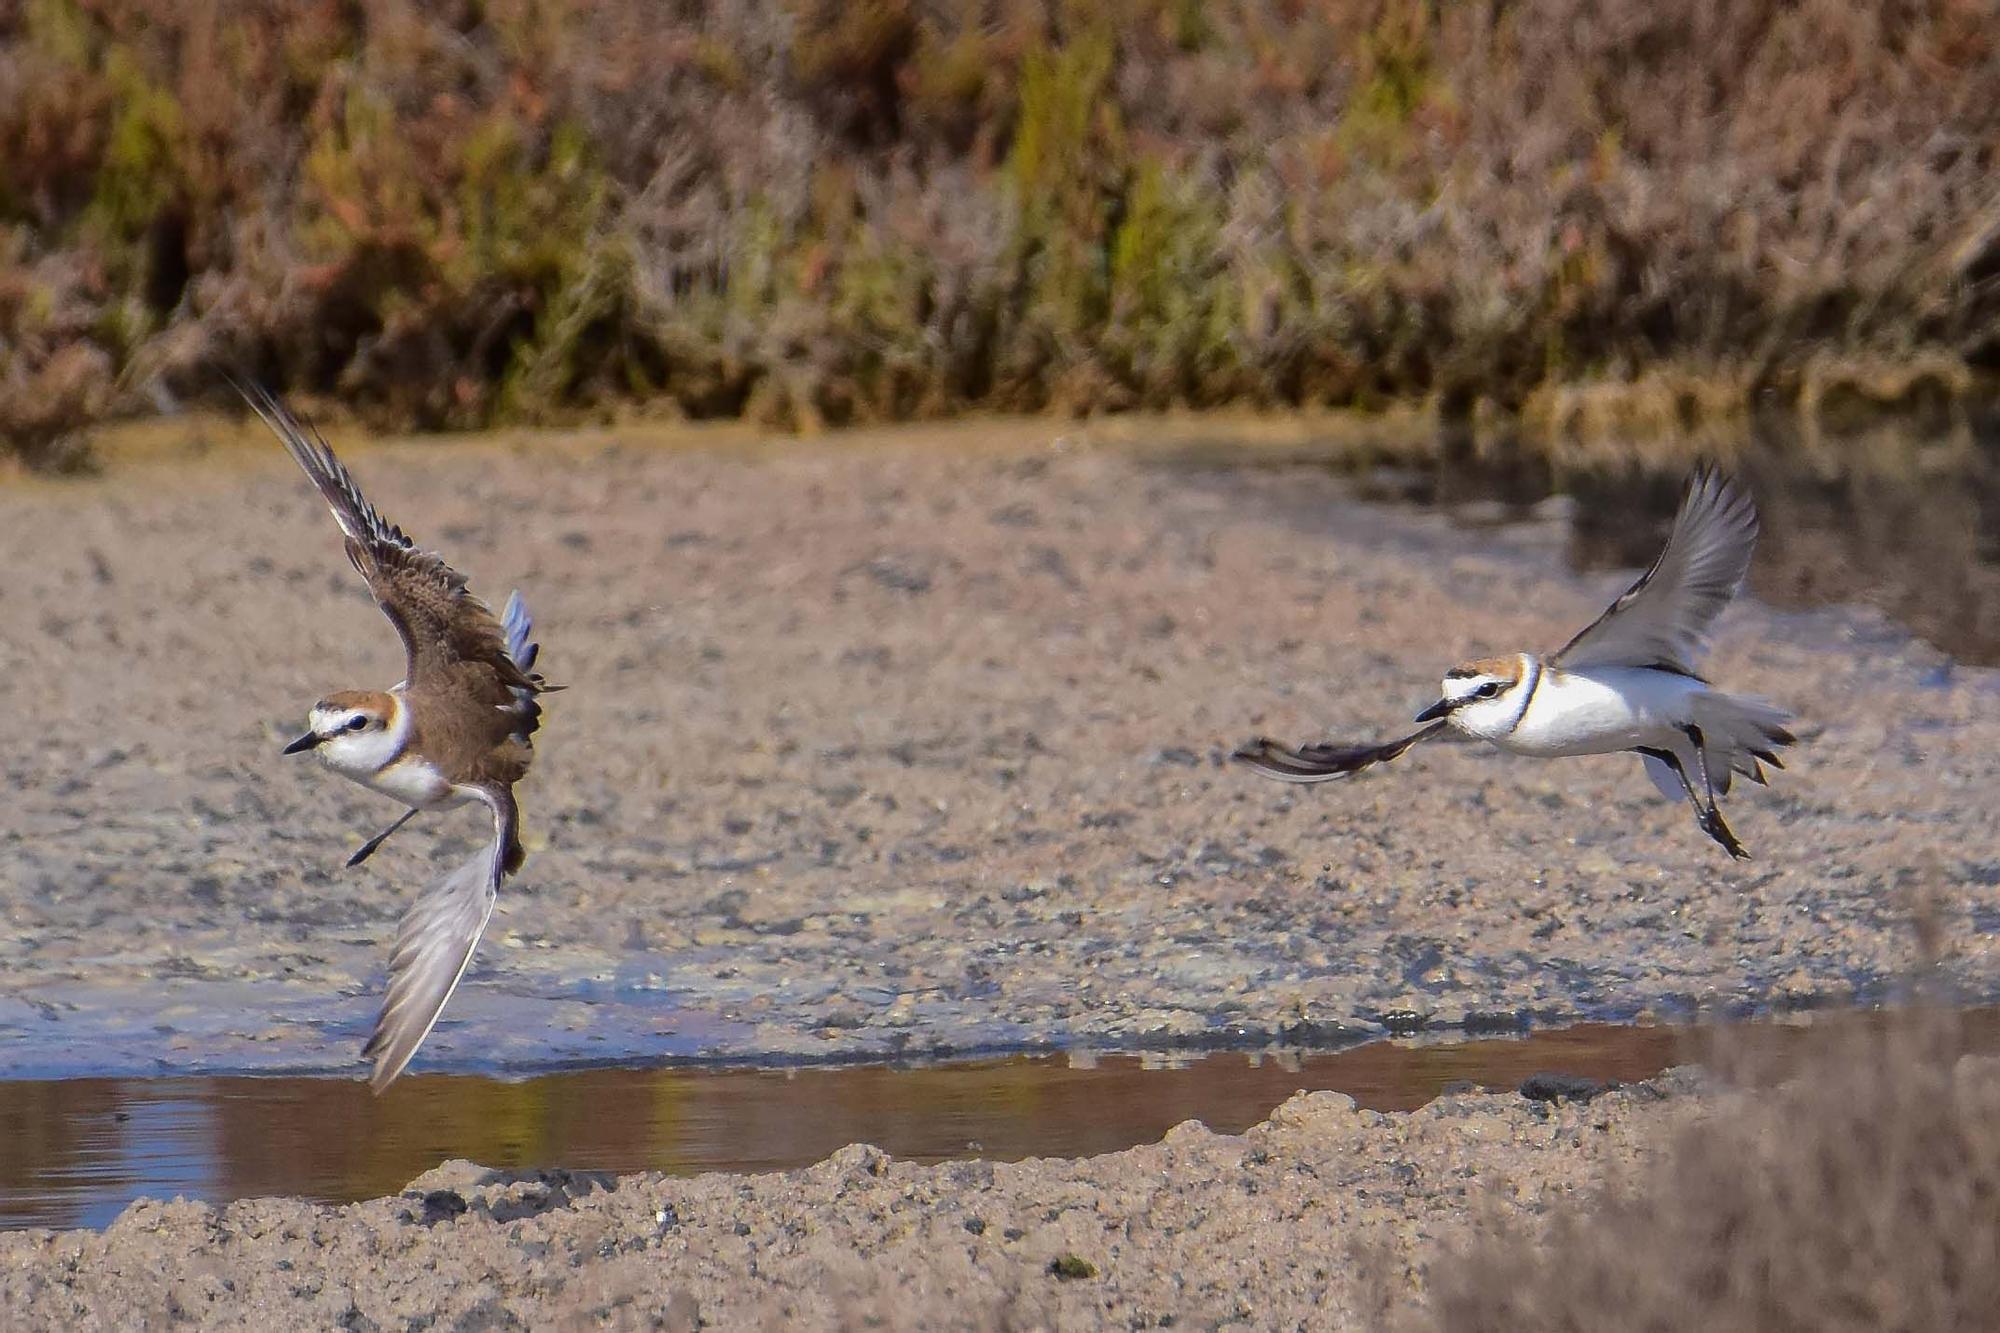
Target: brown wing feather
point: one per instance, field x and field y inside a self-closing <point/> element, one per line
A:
<point x="446" y="631"/>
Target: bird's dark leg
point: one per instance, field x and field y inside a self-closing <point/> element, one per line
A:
<point x="1710" y="817"/>
<point x="1673" y="761"/>
<point x="367" y="849"/>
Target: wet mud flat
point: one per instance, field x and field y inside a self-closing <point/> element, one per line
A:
<point x="912" y="745"/>
<point x="1323" y="1214"/>
<point x="1894" y="512"/>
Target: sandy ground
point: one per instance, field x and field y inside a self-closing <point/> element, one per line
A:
<point x="910" y="743"/>
<point x="1321" y="1217"/>
<point x="900" y="745"/>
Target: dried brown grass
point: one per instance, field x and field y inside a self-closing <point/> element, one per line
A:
<point x="814" y="212"/>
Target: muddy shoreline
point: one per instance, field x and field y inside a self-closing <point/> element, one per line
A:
<point x="1322" y="1214"/>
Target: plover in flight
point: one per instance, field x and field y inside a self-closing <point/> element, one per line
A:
<point x="459" y="727"/>
<point x="1627" y="682"/>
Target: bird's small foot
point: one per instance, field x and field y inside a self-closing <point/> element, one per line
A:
<point x="1715" y="826"/>
<point x="367" y="849"/>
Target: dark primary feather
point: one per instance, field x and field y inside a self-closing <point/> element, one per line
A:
<point x="444" y="627"/>
<point x="1662" y="620"/>
<point x="1323" y="763"/>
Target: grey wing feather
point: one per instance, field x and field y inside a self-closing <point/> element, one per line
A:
<point x="1662" y="621"/>
<point x="517" y="628"/>
<point x="434" y="944"/>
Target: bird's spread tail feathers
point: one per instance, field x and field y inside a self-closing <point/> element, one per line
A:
<point x="1740" y="734"/>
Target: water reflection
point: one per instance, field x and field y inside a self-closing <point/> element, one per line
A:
<point x="1899" y="514"/>
<point x="74" y="1152"/>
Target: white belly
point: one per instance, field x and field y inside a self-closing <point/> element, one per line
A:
<point x="413" y="782"/>
<point x="1603" y="711"/>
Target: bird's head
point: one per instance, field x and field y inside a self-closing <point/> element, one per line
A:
<point x="1483" y="697"/>
<point x="355" y="731"/>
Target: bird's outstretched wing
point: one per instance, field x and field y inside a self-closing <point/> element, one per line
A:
<point x="434" y="945"/>
<point x="442" y="625"/>
<point x="1323" y="763"/>
<point x="1662" y="620"/>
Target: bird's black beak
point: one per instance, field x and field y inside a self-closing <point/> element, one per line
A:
<point x="306" y="742"/>
<point x="1441" y="708"/>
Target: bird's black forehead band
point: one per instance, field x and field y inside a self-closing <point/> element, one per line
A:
<point x="1462" y="673"/>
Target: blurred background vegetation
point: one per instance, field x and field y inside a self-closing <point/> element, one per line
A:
<point x="815" y="212"/>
